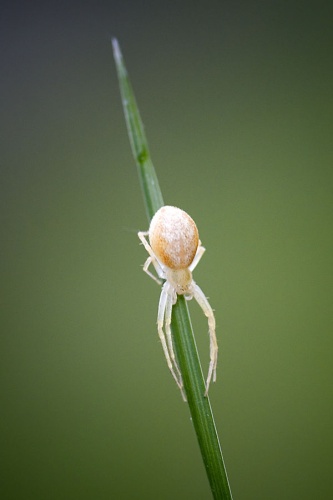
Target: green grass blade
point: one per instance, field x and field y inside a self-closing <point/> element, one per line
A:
<point x="199" y="405"/>
<point x="152" y="194"/>
<point x="200" y="408"/>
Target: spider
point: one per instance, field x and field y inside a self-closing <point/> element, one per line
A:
<point x="175" y="250"/>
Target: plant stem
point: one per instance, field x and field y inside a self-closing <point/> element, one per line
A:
<point x="199" y="405"/>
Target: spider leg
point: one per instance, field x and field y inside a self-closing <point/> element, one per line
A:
<point x="167" y="323"/>
<point x="208" y="311"/>
<point x="199" y="253"/>
<point x="164" y="314"/>
<point x="146" y="270"/>
<point x="151" y="259"/>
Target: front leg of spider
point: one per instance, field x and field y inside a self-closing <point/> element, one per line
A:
<point x="175" y="250"/>
<point x="164" y="318"/>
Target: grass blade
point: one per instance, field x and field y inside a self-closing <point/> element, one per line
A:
<point x="152" y="194"/>
<point x="199" y="405"/>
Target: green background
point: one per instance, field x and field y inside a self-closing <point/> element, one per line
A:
<point x="236" y="98"/>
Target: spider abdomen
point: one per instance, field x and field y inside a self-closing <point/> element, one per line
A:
<point x="174" y="237"/>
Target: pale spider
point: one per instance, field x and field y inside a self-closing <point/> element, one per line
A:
<point x="174" y="250"/>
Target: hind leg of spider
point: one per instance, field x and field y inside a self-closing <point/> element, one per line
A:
<point x="151" y="259"/>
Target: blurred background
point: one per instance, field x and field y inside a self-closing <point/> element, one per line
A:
<point x="236" y="98"/>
